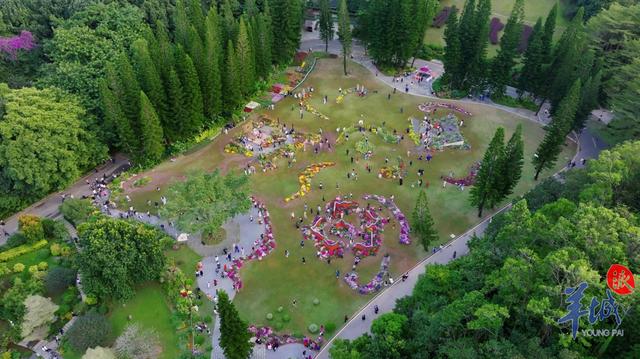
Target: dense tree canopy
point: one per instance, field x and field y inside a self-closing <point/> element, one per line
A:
<point x="203" y="202"/>
<point x="44" y="145"/>
<point x="116" y="254"/>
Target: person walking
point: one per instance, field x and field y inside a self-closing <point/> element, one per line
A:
<point x="376" y="309"/>
<point x="454" y="254"/>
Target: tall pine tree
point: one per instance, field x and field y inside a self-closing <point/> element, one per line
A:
<point x="245" y="61"/>
<point x="128" y="91"/>
<point x="547" y="37"/>
<point x="504" y="61"/>
<point x="532" y="73"/>
<point x="511" y="163"/>
<point x="487" y="185"/>
<point x="148" y="76"/>
<point x="176" y="108"/>
<point x="423" y="225"/>
<point x="194" y="119"/>
<point x="453" y="51"/>
<point x="212" y="81"/>
<point x="125" y="139"/>
<point x="231" y="83"/>
<point x="344" y="32"/>
<point x="478" y="64"/>
<point x="282" y="21"/>
<point x="326" y="24"/>
<point x="152" y="147"/>
<point x="264" y="45"/>
<point x="551" y="146"/>
<point x="234" y="333"/>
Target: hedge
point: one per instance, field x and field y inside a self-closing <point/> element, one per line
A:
<point x="20" y="250"/>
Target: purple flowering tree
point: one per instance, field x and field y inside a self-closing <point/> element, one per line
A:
<point x="12" y="45"/>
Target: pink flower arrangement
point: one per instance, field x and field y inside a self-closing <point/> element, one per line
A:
<point x="375" y="284"/>
<point x="266" y="335"/>
<point x="261" y="247"/>
<point x="11" y="45"/>
<point x="469" y="180"/>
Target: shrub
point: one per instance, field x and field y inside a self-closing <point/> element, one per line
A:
<point x="269" y="316"/>
<point x="141" y="182"/>
<point x="55" y="249"/>
<point x="88" y="331"/>
<point x="70" y="295"/>
<point x="18" y="268"/>
<point x="495" y="27"/>
<point x="280" y="309"/>
<point x="207" y="318"/>
<point x="524" y="38"/>
<point x="91" y="299"/>
<point x="431" y="52"/>
<point x="31" y="227"/>
<point x="39" y="313"/>
<point x="99" y="353"/>
<point x="286" y="318"/>
<point x="313" y="328"/>
<point x="76" y="211"/>
<point x="55" y="230"/>
<point x="442" y="17"/>
<point x="4" y="269"/>
<point x="316" y="301"/>
<point x="58" y="279"/>
<point x="17" y="239"/>
<point x="20" y="250"/>
<point x="43" y="266"/>
<point x="278" y="326"/>
<point x="33" y="269"/>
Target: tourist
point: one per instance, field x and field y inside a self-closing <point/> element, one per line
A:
<point x="364" y="317"/>
<point x="304" y="261"/>
<point x="454" y="254"/>
<point x="286" y="253"/>
<point x="346" y="318"/>
<point x="376" y="309"/>
<point x="337" y="273"/>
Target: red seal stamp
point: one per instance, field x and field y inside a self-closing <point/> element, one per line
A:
<point x="620" y="279"/>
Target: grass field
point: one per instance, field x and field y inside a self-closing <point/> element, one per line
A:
<point x="533" y="9"/>
<point x="276" y="281"/>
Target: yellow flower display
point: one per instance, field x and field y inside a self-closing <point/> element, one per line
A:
<point x="304" y="178"/>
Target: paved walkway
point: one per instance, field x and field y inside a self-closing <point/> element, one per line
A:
<point x="49" y="206"/>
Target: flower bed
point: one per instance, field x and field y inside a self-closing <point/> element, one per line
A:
<point x="304" y="178"/>
<point x="428" y="107"/>
<point x="234" y="148"/>
<point x="469" y="180"/>
<point x="261" y="247"/>
<point x="375" y="284"/>
<point x="268" y="337"/>
<point x="494" y="28"/>
<point x="389" y="172"/>
<point x="442" y="17"/>
<point x="524" y="38"/>
<point x="397" y="214"/>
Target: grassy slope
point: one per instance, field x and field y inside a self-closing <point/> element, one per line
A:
<point x="501" y="9"/>
<point x="276" y="281"/>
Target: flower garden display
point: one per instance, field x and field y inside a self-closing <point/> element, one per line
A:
<point x="268" y="337"/>
<point x="304" y="178"/>
<point x="375" y="284"/>
<point x="429" y="107"/>
<point x="469" y="180"/>
<point x="262" y="246"/>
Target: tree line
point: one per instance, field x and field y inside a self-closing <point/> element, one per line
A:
<point x="141" y="77"/>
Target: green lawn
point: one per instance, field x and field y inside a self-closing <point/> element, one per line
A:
<point x="533" y="9"/>
<point x="149" y="309"/>
<point x="276" y="281"/>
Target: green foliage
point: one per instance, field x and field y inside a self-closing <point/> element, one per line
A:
<point x="89" y="331"/>
<point x="363" y="146"/>
<point x="39" y="313"/>
<point x="245" y="61"/>
<point x="231" y="83"/>
<point x="205" y="201"/>
<point x="20" y="250"/>
<point x="286" y="20"/>
<point x="504" y="61"/>
<point x="44" y="145"/>
<point x="152" y="148"/>
<point x="510" y="163"/>
<point x="486" y="187"/>
<point x="12" y="305"/>
<point x="422" y="222"/>
<point x="77" y="211"/>
<point x="234" y="335"/>
<point x="551" y="146"/>
<point x="117" y="254"/>
<point x="344" y="32"/>
<point x="452" y="54"/>
<point x="532" y="74"/>
<point x="431" y="52"/>
<point x="136" y="342"/>
<point x="83" y="45"/>
<point x="18" y="268"/>
<point x="326" y="24"/>
<point x="31" y="228"/>
<point x="58" y="279"/>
